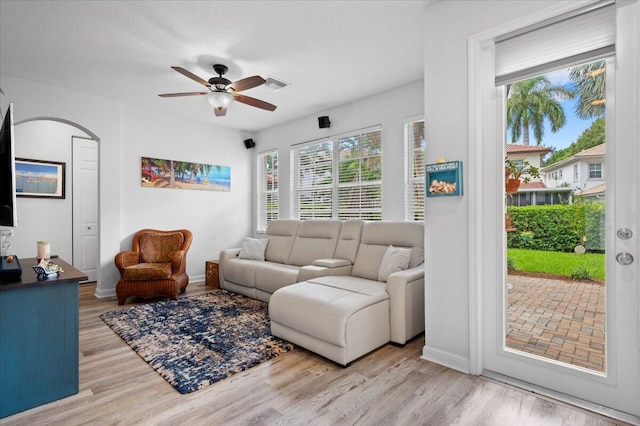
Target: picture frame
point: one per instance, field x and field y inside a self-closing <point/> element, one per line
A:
<point x="177" y="174"/>
<point x="40" y="179"/>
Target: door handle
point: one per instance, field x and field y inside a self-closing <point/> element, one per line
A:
<point x="624" y="233"/>
<point x="624" y="258"/>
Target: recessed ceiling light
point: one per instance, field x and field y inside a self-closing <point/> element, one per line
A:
<point x="274" y="84"/>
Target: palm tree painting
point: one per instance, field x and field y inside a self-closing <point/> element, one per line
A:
<point x="530" y="102"/>
<point x="161" y="173"/>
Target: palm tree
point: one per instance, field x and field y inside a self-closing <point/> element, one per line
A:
<point x="196" y="169"/>
<point x="530" y="102"/>
<point x="590" y="80"/>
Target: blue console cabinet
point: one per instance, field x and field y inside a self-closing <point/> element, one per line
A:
<point x="38" y="338"/>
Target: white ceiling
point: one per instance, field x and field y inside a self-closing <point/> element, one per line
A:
<point x="330" y="52"/>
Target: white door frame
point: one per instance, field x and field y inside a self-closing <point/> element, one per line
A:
<point x="485" y="162"/>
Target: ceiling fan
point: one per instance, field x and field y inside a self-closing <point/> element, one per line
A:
<point x="223" y="91"/>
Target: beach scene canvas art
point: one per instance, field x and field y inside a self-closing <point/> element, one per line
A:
<point x="174" y="174"/>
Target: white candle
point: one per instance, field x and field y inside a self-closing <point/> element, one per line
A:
<point x="44" y="250"/>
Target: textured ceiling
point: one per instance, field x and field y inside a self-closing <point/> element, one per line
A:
<point x="330" y="52"/>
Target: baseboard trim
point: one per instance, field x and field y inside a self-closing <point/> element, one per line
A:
<point x="447" y="359"/>
<point x="102" y="293"/>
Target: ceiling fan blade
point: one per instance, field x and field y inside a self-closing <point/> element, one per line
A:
<point x="173" y="95"/>
<point x="192" y="76"/>
<point x="220" y="112"/>
<point x="254" y="102"/>
<point x="247" y="83"/>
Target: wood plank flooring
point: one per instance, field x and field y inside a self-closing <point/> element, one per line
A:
<point x="391" y="386"/>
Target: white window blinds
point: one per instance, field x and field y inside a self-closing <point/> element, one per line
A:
<point x="583" y="35"/>
<point x="414" y="184"/>
<point x="338" y="177"/>
<point x="267" y="174"/>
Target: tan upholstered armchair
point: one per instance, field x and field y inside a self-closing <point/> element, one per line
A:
<point x="156" y="265"/>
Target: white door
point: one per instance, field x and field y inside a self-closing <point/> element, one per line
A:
<point x="618" y="386"/>
<point x="85" y="206"/>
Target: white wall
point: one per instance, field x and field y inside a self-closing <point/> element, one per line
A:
<point x="448" y="26"/>
<point x="45" y="219"/>
<point x="389" y="109"/>
<point x="217" y="219"/>
<point x="126" y="133"/>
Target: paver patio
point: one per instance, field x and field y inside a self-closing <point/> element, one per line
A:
<point x="557" y="319"/>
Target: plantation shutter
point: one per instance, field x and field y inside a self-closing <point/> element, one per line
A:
<point x="338" y="177"/>
<point x="360" y="175"/>
<point x="414" y="170"/>
<point x="312" y="180"/>
<point x="579" y="36"/>
<point x="267" y="189"/>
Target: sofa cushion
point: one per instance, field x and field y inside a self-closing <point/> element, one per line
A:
<point x="267" y="276"/>
<point x="272" y="276"/>
<point x="253" y="248"/>
<point x="395" y="259"/>
<point x="316" y="239"/>
<point x="349" y="240"/>
<point x="241" y="271"/>
<point x="322" y="306"/>
<point x="377" y="237"/>
<point x="147" y="271"/>
<point x="281" y="234"/>
<point x="417" y="257"/>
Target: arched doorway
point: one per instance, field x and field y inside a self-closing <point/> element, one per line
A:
<point x="59" y="221"/>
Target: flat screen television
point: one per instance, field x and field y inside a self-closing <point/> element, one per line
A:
<point x="8" y="214"/>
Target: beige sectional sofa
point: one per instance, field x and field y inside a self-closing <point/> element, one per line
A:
<point x="321" y="279"/>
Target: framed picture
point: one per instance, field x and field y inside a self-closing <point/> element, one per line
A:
<point x="444" y="179"/>
<point x="39" y="179"/>
<point x="176" y="174"/>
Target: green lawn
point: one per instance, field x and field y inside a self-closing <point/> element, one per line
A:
<point x="557" y="263"/>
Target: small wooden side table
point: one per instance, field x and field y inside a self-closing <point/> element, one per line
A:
<point x="211" y="272"/>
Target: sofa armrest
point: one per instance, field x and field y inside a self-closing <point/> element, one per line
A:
<point x="225" y="255"/>
<point x="331" y="263"/>
<point x="406" y="303"/>
<point x="126" y="258"/>
<point x="228" y="254"/>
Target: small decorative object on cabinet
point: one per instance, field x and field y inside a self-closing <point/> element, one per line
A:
<point x="211" y="269"/>
<point x="444" y="179"/>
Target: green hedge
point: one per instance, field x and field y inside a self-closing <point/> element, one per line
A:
<point x="558" y="227"/>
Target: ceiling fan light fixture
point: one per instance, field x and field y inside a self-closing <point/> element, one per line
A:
<point x="219" y="99"/>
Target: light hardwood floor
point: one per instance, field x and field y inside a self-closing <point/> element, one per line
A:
<point x="391" y="386"/>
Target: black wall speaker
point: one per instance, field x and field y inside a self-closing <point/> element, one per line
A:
<point x="249" y="143"/>
<point x="323" y="122"/>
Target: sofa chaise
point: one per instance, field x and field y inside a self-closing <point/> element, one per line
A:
<point x="323" y="282"/>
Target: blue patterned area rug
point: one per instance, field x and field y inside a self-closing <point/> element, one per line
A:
<point x="195" y="341"/>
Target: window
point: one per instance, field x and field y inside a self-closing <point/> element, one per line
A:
<point x="338" y="178"/>
<point x="576" y="173"/>
<point x="414" y="186"/>
<point x="560" y="174"/>
<point x="595" y="171"/>
<point x="267" y="189"/>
